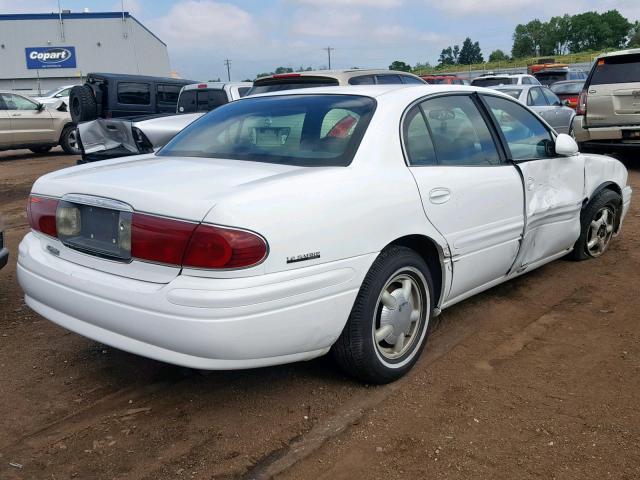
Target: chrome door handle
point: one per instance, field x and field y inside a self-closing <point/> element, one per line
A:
<point x="439" y="195"/>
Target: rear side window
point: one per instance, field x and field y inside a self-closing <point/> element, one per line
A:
<point x="388" y="79"/>
<point x="526" y="81"/>
<point x="362" y="80"/>
<point x="417" y="140"/>
<point x="621" y="69"/>
<point x="460" y="134"/>
<point x="242" y="91"/>
<point x="134" y="93"/>
<point x="304" y="130"/>
<point x="290" y="83"/>
<point x="512" y="92"/>
<point x="567" y="88"/>
<point x="492" y="82"/>
<point x="526" y="136"/>
<point x="551" y="97"/>
<point x="167" y="94"/>
<point x="535" y="98"/>
<point x="411" y="80"/>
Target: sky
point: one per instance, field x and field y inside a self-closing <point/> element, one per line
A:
<point x="260" y="35"/>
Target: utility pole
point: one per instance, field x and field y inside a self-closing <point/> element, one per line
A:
<point x="227" y="62"/>
<point x="329" y="49"/>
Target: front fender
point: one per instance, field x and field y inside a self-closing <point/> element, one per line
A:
<point x="601" y="171"/>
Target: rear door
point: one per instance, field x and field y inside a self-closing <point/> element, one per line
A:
<point x="553" y="185"/>
<point x="6" y="135"/>
<point x="469" y="194"/>
<point x="614" y="91"/>
<point x="562" y="115"/>
<point x="28" y="123"/>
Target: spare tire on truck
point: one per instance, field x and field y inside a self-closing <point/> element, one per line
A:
<point x="82" y="104"/>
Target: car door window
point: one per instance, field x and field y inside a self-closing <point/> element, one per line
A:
<point x="362" y="80"/>
<point x="131" y="93"/>
<point x="16" y="102"/>
<point x="167" y="94"/>
<point x="535" y="98"/>
<point x="551" y="97"/>
<point x="417" y="140"/>
<point x="460" y="134"/>
<point x="526" y="81"/>
<point x="526" y="136"/>
<point x="63" y="93"/>
<point x="388" y="79"/>
<point x="411" y="80"/>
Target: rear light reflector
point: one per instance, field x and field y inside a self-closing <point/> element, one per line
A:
<point x="221" y="247"/>
<point x="176" y="242"/>
<point x="41" y="212"/>
<point x="286" y="75"/>
<point x="202" y="85"/>
<point x="581" y="108"/>
<point x="159" y="239"/>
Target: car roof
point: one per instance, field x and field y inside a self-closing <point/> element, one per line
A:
<point x="343" y="75"/>
<point x="617" y="53"/>
<point x="142" y="78"/>
<point x="503" y="75"/>
<point x="217" y="85"/>
<point x="378" y="91"/>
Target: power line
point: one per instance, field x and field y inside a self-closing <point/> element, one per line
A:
<point x="227" y="62"/>
<point x="329" y="49"/>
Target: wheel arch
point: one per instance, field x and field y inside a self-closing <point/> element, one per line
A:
<point x="64" y="127"/>
<point x="432" y="253"/>
<point x="614" y="187"/>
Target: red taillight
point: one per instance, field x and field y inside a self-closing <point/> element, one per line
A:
<point x="176" y="242"/>
<point x="159" y="239"/>
<point x="41" y="212"/>
<point x="286" y="75"/>
<point x="202" y="85"/>
<point x="221" y="247"/>
<point x="581" y="108"/>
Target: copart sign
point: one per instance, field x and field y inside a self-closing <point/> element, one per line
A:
<point x="50" y="57"/>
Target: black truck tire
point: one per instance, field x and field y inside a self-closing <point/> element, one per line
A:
<point x="82" y="104"/>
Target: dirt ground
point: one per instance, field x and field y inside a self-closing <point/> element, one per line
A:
<point x="537" y="378"/>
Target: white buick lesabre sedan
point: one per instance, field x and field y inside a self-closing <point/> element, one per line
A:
<point x="281" y="227"/>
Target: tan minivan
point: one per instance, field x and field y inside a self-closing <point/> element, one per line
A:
<point x="608" y="111"/>
<point x="26" y="123"/>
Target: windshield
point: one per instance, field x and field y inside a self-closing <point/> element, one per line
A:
<point x="305" y="130"/>
<point x="547" y="78"/>
<point x="290" y="83"/>
<point x="568" y="88"/>
<point x="492" y="82"/>
<point x="621" y="69"/>
<point x="50" y="93"/>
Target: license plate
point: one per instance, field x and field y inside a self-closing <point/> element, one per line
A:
<point x="95" y="230"/>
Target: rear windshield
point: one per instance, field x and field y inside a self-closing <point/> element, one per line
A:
<point x="512" y="92"/>
<point x="290" y="83"/>
<point x="622" y="69"/>
<point x="305" y="130"/>
<point x="567" y="88"/>
<point x="492" y="82"/>
<point x="547" y="78"/>
<point x="201" y="100"/>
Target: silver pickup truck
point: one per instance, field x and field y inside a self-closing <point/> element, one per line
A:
<point x="119" y="137"/>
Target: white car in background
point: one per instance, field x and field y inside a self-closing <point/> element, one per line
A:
<point x="283" y="226"/>
<point x="55" y="95"/>
<point x="495" y="80"/>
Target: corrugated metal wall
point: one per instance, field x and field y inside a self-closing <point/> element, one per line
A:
<point x="101" y="45"/>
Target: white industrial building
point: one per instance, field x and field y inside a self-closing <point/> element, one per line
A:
<point x="42" y="51"/>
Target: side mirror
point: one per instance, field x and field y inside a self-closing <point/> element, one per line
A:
<point x="566" y="146"/>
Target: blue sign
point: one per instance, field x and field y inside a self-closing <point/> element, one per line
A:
<point x="50" y="57"/>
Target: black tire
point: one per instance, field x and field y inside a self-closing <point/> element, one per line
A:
<point x="40" y="149"/>
<point x="356" y="350"/>
<point x="69" y="140"/>
<point x="604" y="199"/>
<point x="82" y="104"/>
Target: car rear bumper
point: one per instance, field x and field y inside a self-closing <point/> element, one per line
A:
<point x="606" y="137"/>
<point x="197" y="322"/>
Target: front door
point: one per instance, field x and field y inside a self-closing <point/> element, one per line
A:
<point x="29" y="124"/>
<point x="469" y="194"/>
<point x="553" y="185"/>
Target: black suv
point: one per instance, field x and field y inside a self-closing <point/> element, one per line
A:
<point x="111" y="95"/>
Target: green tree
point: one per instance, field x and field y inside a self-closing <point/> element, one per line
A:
<point x="498" y="56"/>
<point x="281" y="70"/>
<point x="456" y="54"/>
<point x="634" y="36"/>
<point x="523" y="45"/>
<point x="398" y="65"/>
<point x="446" y="57"/>
<point x="470" y="53"/>
<point x="618" y="28"/>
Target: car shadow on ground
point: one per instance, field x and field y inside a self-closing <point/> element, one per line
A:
<point x="12" y="156"/>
